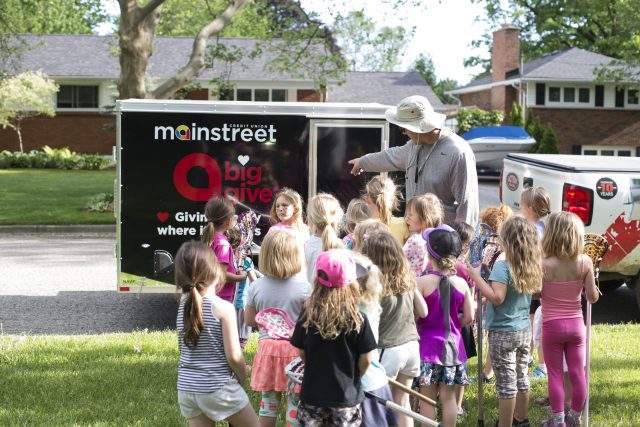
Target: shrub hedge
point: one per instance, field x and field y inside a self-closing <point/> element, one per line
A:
<point x="52" y="158"/>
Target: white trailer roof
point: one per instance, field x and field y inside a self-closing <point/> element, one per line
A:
<point x="307" y="109"/>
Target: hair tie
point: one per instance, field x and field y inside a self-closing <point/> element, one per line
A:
<point x="365" y="236"/>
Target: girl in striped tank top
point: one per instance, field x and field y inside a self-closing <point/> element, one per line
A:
<point x="567" y="271"/>
<point x="212" y="367"/>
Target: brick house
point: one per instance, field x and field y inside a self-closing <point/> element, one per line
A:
<point x="87" y="69"/>
<point x="588" y="117"/>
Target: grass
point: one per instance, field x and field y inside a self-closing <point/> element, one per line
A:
<point x="52" y="196"/>
<point x="102" y="380"/>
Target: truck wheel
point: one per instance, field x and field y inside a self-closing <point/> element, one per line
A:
<point x="610" y="286"/>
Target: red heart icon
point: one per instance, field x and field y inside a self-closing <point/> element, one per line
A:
<point x="162" y="216"/>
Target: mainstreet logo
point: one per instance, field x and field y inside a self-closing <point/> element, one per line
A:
<point x="226" y="133"/>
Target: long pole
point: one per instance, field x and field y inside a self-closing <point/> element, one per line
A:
<point x="395" y="407"/>
<point x="412" y="392"/>
<point x="480" y="363"/>
<point x="588" y="363"/>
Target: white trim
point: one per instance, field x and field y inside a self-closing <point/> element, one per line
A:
<point x="482" y="88"/>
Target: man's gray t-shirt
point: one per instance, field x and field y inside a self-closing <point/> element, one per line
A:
<point x="288" y="294"/>
<point x="449" y="172"/>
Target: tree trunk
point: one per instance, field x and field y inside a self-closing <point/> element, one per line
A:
<point x="136" y="30"/>
<point x="197" y="60"/>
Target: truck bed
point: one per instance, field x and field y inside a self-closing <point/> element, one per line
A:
<point x="579" y="164"/>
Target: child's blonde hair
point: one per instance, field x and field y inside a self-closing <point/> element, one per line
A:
<point x="357" y="211"/>
<point x="537" y="199"/>
<point x="324" y="214"/>
<point x="281" y="257"/>
<point x="234" y="236"/>
<point x="384" y="195"/>
<point x="333" y="311"/>
<point x="385" y="252"/>
<point x="370" y="282"/>
<point x="428" y="208"/>
<point x="363" y="229"/>
<point x="295" y="200"/>
<point x="494" y="216"/>
<point x="218" y="210"/>
<point x="521" y="246"/>
<point x="563" y="236"/>
<point x="196" y="268"/>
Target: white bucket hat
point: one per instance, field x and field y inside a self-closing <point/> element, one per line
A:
<point x="416" y="114"/>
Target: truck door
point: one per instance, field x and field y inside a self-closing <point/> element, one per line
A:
<point x="332" y="144"/>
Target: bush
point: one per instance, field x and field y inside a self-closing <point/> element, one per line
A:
<point x="515" y="117"/>
<point x="469" y="118"/>
<point x="549" y="143"/>
<point x="93" y="162"/>
<point x="535" y="129"/>
<point x="102" y="202"/>
<point x="52" y="158"/>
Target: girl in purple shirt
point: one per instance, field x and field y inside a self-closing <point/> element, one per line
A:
<point x="442" y="351"/>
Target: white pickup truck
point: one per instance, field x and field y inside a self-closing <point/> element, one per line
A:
<point x="603" y="191"/>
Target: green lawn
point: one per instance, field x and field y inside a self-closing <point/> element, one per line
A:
<point x="103" y="381"/>
<point x="52" y="196"/>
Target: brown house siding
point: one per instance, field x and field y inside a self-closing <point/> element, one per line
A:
<point x="478" y="99"/>
<point x="81" y="132"/>
<point x="586" y="127"/>
<point x="308" y="95"/>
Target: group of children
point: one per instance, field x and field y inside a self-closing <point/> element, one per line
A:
<point x="392" y="300"/>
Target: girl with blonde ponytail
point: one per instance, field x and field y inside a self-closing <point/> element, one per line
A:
<point x="324" y="216"/>
<point x="382" y="197"/>
<point x="212" y="367"/>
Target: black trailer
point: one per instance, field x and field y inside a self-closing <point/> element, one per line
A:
<point x="173" y="156"/>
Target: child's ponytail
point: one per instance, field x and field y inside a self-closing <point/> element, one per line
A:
<point x="384" y="195"/>
<point x="330" y="239"/>
<point x="324" y="215"/>
<point x="196" y="269"/>
<point x="218" y="210"/>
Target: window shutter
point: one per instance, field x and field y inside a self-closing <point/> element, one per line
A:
<point x="540" y="93"/>
<point x="619" y="97"/>
<point x="599" y="96"/>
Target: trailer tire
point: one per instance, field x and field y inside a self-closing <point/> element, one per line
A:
<point x="636" y="285"/>
<point x="610" y="286"/>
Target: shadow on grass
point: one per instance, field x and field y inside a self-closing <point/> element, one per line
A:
<point x="71" y="313"/>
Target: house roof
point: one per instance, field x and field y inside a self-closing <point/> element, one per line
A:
<point x="382" y="87"/>
<point x="574" y="64"/>
<point x="628" y="136"/>
<point x="94" y="56"/>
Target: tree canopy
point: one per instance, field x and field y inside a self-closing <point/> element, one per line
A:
<point x="424" y="65"/>
<point x="367" y="48"/>
<point x="608" y="27"/>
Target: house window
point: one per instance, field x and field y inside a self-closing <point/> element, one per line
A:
<point x="584" y="95"/>
<point x="569" y="94"/>
<point x="632" y="97"/>
<point x="554" y="94"/>
<point x="603" y="150"/>
<point x="243" y="95"/>
<point x="70" y="96"/>
<point x="261" y="95"/>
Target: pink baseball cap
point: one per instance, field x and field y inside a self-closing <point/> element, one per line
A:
<point x="336" y="268"/>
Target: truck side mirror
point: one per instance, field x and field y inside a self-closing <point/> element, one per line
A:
<point x="162" y="263"/>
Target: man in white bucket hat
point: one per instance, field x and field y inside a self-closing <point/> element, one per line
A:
<point x="435" y="160"/>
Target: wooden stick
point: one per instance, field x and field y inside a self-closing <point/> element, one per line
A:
<point x="395" y="407"/>
<point x="412" y="392"/>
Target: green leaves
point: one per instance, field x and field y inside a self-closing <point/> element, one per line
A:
<point x="469" y="118"/>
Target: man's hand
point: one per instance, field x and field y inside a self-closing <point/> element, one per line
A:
<point x="356" y="170"/>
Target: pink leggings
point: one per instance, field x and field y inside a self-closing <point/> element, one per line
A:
<point x="565" y="336"/>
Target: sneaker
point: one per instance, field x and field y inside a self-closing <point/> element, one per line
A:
<point x="531" y="362"/>
<point x="538" y="373"/>
<point x="523" y="423"/>
<point x="572" y="420"/>
<point x="552" y="423"/>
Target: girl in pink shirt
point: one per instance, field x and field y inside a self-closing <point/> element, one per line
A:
<point x="221" y="217"/>
<point x="567" y="271"/>
<point x="286" y="214"/>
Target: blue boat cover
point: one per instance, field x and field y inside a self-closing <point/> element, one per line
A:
<point x="510" y="132"/>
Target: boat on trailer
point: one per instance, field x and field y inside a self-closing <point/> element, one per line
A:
<point x="491" y="144"/>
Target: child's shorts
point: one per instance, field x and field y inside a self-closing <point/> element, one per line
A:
<point x="318" y="416"/>
<point x="432" y="374"/>
<point x="509" y="351"/>
<point x="401" y="359"/>
<point x="218" y="406"/>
